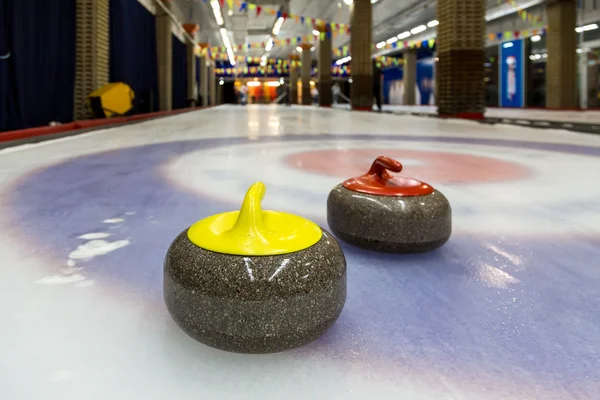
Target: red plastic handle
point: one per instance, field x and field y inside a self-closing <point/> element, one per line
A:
<point x="383" y="164"/>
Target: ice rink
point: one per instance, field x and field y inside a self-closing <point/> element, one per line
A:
<point x="509" y="308"/>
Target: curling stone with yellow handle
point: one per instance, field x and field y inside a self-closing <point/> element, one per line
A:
<point x="254" y="281"/>
<point x="377" y="211"/>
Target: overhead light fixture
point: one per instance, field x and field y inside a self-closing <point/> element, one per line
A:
<point x="227" y="44"/>
<point x="433" y="23"/>
<point x="269" y="45"/>
<point x="350" y="80"/>
<point x="225" y="37"/>
<point x="349" y="2"/>
<point x="418" y="29"/>
<point x="404" y="35"/>
<point x="392" y="40"/>
<point x="253" y="83"/>
<point x="343" y="61"/>
<point x="221" y="82"/>
<point x="273" y="84"/>
<point x="536" y="38"/>
<point x="374" y="1"/>
<point x="508" y="45"/>
<point x="544" y="55"/>
<point x="277" y="26"/>
<point x="217" y="11"/>
<point x="585" y="28"/>
<point x="380" y="45"/>
<point x="316" y="32"/>
<point x="299" y="49"/>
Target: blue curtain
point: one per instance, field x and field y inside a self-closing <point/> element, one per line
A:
<point x="37" y="80"/>
<point x="4" y="56"/>
<point x="133" y="51"/>
<point x="179" y="74"/>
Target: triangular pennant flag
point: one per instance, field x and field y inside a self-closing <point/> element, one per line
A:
<point x="258" y="10"/>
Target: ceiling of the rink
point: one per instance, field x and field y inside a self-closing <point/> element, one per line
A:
<point x="390" y="17"/>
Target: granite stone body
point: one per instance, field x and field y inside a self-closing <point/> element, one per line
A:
<point x="399" y="224"/>
<point x="255" y="304"/>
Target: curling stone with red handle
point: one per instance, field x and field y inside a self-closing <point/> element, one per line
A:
<point x="254" y="281"/>
<point x="377" y="211"/>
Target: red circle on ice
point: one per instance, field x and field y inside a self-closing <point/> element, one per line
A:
<point x="427" y="166"/>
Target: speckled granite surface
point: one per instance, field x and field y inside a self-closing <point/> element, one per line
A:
<point x="390" y="223"/>
<point x="255" y="304"/>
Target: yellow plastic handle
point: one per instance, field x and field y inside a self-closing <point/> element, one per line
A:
<point x="254" y="232"/>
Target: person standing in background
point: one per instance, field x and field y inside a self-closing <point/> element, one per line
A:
<point x="335" y="92"/>
<point x="377" y="84"/>
<point x="244" y="94"/>
<point x="314" y="92"/>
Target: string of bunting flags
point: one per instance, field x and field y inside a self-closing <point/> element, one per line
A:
<point x="282" y="66"/>
<point x="524" y="14"/>
<point x="510" y="35"/>
<point x="220" y="53"/>
<point x="309" y="21"/>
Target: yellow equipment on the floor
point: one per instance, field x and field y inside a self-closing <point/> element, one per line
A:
<point x="114" y="99"/>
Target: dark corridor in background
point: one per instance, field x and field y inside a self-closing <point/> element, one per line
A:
<point x="37" y="79"/>
<point x="133" y="52"/>
<point x="229" y="95"/>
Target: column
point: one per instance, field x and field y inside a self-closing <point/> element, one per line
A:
<point x="293" y="93"/>
<point x="164" y="52"/>
<point x="561" y="69"/>
<point x="410" y="77"/>
<point x="460" y="87"/>
<point x="213" y="85"/>
<point x="204" y="85"/>
<point x="306" y="73"/>
<point x="325" y="63"/>
<point x="191" y="29"/>
<point x="361" y="21"/>
<point x="91" y="52"/>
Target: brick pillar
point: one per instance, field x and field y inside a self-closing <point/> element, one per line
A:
<point x="410" y="77"/>
<point x="325" y="60"/>
<point x="92" y="52"/>
<point x="191" y="29"/>
<point x="306" y="73"/>
<point x="164" y="52"/>
<point x="204" y="85"/>
<point x="561" y="69"/>
<point x="293" y="93"/>
<point x="460" y="87"/>
<point x="361" y="71"/>
<point x="213" y="85"/>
